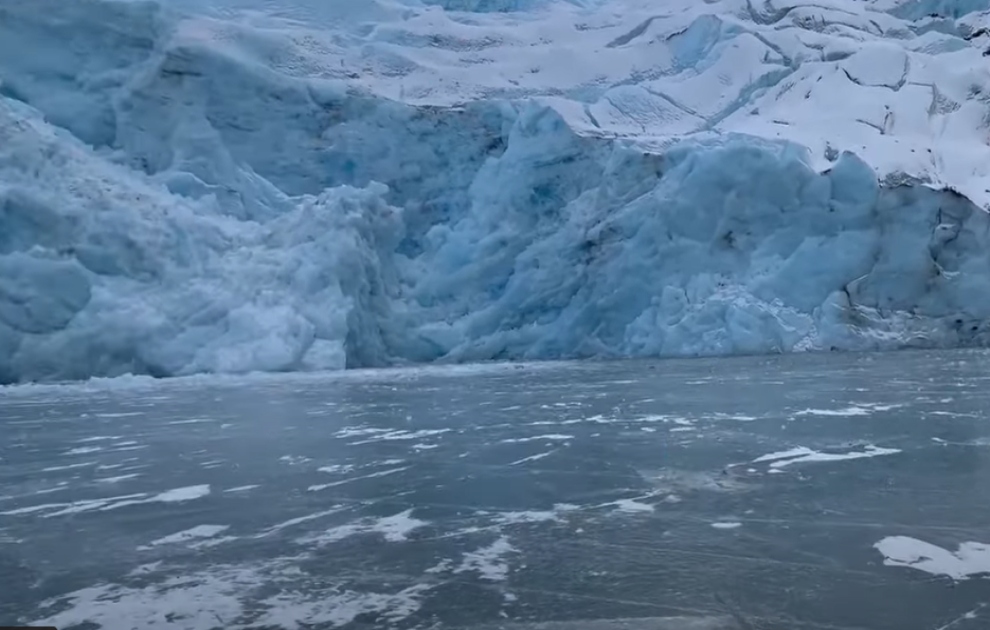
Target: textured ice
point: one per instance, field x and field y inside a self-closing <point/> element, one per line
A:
<point x="245" y="186"/>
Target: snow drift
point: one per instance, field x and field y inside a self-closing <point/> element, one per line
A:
<point x="393" y="182"/>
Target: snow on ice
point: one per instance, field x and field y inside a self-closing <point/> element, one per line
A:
<point x="255" y="187"/>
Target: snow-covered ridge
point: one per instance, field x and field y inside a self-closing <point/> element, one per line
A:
<point x="321" y="185"/>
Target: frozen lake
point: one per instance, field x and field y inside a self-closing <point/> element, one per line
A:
<point x="834" y="492"/>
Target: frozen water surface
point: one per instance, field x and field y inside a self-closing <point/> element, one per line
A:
<point x="516" y="497"/>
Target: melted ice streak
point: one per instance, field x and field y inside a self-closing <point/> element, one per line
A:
<point x="853" y="410"/>
<point x="191" y="421"/>
<point x="301" y="519"/>
<point x="241" y="488"/>
<point x="84" y="450"/>
<point x="971" y="560"/>
<point x="374" y="475"/>
<point x="802" y="455"/>
<point x="68" y="467"/>
<point x="532" y="458"/>
<point x="177" y="495"/>
<point x="388" y="436"/>
<point x="549" y="437"/>
<point x="395" y="528"/>
<point x="188" y="535"/>
<point x="118" y="478"/>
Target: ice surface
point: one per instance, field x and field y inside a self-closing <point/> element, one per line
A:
<point x="244" y="186"/>
<point x="617" y="529"/>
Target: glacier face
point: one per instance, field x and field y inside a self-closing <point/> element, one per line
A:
<point x="392" y="182"/>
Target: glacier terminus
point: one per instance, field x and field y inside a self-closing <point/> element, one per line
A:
<point x="262" y="186"/>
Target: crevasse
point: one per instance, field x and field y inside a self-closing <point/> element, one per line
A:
<point x="174" y="201"/>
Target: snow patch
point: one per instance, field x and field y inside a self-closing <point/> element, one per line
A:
<point x="488" y="562"/>
<point x="230" y="595"/>
<point x="395" y="528"/>
<point x="970" y="560"/>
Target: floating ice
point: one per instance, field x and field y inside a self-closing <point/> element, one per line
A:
<point x="971" y="560"/>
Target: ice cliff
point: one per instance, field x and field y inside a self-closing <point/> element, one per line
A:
<point x="320" y="185"/>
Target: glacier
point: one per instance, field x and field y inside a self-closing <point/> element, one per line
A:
<point x="263" y="186"/>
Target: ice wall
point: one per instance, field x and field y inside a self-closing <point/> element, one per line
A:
<point x="182" y="195"/>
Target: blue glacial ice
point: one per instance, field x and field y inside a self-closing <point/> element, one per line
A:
<point x="241" y="191"/>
